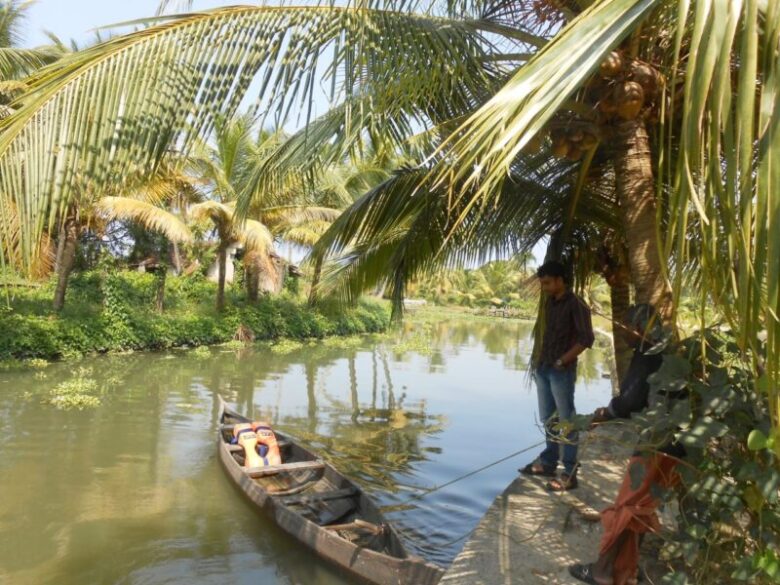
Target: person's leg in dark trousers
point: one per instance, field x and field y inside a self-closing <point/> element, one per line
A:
<point x="547" y="408"/>
<point x="561" y="384"/>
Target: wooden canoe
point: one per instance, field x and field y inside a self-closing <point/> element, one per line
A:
<point x="307" y="498"/>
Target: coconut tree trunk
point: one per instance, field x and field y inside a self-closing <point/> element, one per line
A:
<point x="620" y="294"/>
<point x="252" y="276"/>
<point x="160" y="276"/>
<point x="69" y="236"/>
<point x="315" y="281"/>
<point x="636" y="197"/>
<point x="222" y="267"/>
<point x="176" y="258"/>
<point x="60" y="249"/>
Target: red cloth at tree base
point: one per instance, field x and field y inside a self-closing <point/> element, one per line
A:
<point x="633" y="514"/>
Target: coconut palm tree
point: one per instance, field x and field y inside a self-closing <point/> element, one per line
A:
<point x="16" y="62"/>
<point x="252" y="234"/>
<point x="515" y="76"/>
<point x="144" y="206"/>
<point x="288" y="209"/>
<point x="335" y="188"/>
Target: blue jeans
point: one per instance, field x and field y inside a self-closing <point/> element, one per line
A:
<point x="555" y="390"/>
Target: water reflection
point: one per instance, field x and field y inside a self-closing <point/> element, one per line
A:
<point x="131" y="492"/>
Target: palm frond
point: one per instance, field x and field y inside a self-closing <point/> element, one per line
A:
<point x="167" y="185"/>
<point x="13" y="14"/>
<point x="306" y="234"/>
<point x="114" y="109"/>
<point x="219" y="213"/>
<point x="723" y="170"/>
<point x="409" y="227"/>
<point x="145" y="214"/>
<point x="487" y="144"/>
<point x="255" y="236"/>
<point x="293" y="215"/>
<point x="16" y="63"/>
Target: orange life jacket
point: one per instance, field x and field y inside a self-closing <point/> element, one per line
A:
<point x="259" y="443"/>
<point x="267" y="444"/>
<point x="244" y="435"/>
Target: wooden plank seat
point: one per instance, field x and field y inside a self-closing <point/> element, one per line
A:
<point x="320" y="497"/>
<point x="255" y="472"/>
<point x="227" y="428"/>
<point x="360" y="525"/>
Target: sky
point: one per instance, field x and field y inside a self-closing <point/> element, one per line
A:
<point x="77" y="19"/>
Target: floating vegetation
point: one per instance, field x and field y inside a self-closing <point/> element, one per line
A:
<point x="233" y="345"/>
<point x="202" y="352"/>
<point x="10" y="364"/>
<point x="286" y="346"/>
<point x="351" y="342"/>
<point x="37" y="363"/>
<point x="419" y="342"/>
<point x="80" y="392"/>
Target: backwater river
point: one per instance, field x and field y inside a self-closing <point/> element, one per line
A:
<point x="131" y="491"/>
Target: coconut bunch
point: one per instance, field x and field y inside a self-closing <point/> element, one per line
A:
<point x="629" y="86"/>
<point x="547" y="10"/>
<point x="572" y="140"/>
<point x="569" y="139"/>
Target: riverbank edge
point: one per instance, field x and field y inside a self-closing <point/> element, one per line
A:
<point x="25" y="338"/>
<point x="112" y="329"/>
<point x="531" y="536"/>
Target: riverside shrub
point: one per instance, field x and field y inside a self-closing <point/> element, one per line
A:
<point x="116" y="312"/>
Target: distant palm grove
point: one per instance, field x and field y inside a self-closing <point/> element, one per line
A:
<point x="177" y="184"/>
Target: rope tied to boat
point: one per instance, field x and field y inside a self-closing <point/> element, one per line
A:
<point x="409" y="535"/>
<point x="429" y="491"/>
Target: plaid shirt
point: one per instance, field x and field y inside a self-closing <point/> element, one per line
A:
<point x="567" y="321"/>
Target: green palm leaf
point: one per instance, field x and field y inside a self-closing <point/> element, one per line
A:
<point x="15" y="63"/>
<point x="219" y="213"/>
<point x="490" y="140"/>
<point x="114" y="110"/>
<point x="146" y="214"/>
<point x="307" y="234"/>
<point x="256" y="237"/>
<point x="409" y="227"/>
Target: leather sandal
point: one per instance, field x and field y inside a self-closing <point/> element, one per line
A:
<point x="536" y="468"/>
<point x="583" y="573"/>
<point x="564" y="484"/>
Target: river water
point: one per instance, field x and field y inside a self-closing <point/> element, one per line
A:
<point x="131" y="491"/>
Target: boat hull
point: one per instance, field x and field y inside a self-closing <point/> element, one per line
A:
<point x="369" y="565"/>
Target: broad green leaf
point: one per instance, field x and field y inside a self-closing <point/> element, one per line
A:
<point x="754" y="498"/>
<point x="756" y="440"/>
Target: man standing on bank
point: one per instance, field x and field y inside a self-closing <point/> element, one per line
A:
<point x="567" y="333"/>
